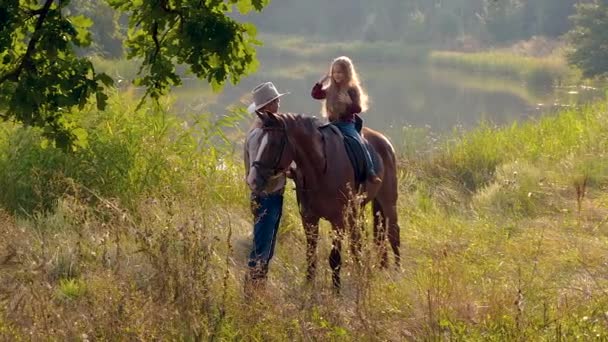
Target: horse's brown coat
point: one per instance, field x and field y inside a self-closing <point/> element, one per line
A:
<point x="324" y="182"/>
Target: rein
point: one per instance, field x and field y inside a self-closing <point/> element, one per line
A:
<point x="274" y="167"/>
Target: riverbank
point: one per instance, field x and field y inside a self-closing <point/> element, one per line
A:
<point x="534" y="71"/>
<point x="140" y="235"/>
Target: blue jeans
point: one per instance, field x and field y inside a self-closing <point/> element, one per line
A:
<point x="348" y="129"/>
<point x="267" y="210"/>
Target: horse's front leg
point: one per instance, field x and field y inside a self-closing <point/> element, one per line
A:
<point x="355" y="227"/>
<point x="311" y="230"/>
<point x="335" y="258"/>
<point x="380" y="225"/>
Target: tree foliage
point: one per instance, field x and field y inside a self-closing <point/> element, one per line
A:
<point x="589" y="38"/>
<point x="108" y="30"/>
<point x="42" y="77"/>
<point x="435" y="21"/>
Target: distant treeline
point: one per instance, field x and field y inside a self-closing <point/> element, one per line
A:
<point x="437" y="21"/>
<point x="440" y="22"/>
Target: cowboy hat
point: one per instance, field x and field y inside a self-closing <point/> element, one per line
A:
<point x="263" y="94"/>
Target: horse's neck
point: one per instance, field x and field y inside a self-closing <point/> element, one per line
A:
<point x="308" y="152"/>
<point x="309" y="156"/>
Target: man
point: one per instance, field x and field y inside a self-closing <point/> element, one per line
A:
<point x="267" y="206"/>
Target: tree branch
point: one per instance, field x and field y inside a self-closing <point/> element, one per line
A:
<point x="36" y="12"/>
<point x="25" y="60"/>
<point x="156" y="42"/>
<point x="165" y="6"/>
<point x="180" y="22"/>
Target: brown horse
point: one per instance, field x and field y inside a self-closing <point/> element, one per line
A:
<point x="324" y="179"/>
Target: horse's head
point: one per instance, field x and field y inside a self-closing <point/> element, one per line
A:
<point x="275" y="153"/>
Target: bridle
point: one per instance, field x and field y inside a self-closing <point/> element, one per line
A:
<point x="274" y="168"/>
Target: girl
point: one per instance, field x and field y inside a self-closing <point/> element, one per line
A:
<point x="344" y="99"/>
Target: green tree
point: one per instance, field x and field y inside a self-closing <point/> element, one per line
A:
<point x="546" y="17"/>
<point x="589" y="38"/>
<point x="42" y="78"/>
<point x="503" y="20"/>
<point x="107" y="34"/>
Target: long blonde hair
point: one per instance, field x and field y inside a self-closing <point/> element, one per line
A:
<point x="332" y="106"/>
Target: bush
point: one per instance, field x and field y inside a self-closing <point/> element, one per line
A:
<point x="126" y="153"/>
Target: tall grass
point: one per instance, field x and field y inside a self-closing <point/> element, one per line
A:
<point x="535" y="71"/>
<point x="574" y="136"/>
<point x="143" y="234"/>
<point x="129" y="154"/>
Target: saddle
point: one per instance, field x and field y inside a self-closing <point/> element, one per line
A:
<point x="355" y="151"/>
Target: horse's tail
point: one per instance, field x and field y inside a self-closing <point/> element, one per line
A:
<point x="385" y="203"/>
<point x="385" y="151"/>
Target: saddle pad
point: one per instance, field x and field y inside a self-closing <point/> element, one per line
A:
<point x="355" y="153"/>
<point x="357" y="158"/>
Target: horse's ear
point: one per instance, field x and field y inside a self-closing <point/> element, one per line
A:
<point x="268" y="118"/>
<point x="272" y="116"/>
<point x="261" y="115"/>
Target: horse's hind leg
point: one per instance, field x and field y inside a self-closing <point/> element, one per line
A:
<point x="380" y="233"/>
<point x="388" y="208"/>
<point x="311" y="229"/>
<point x="394" y="237"/>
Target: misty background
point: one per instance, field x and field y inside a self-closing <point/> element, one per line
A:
<point x="395" y="45"/>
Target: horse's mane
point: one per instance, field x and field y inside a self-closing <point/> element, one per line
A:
<point x="309" y="123"/>
<point x="308" y="127"/>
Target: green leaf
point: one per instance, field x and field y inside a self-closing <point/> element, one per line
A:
<point x="105" y="79"/>
<point x="216" y="86"/>
<point x="7" y="59"/>
<point x="80" y="21"/>
<point x="244" y="6"/>
<point x="101" y="100"/>
<point x="259" y="4"/>
<point x="81" y="137"/>
<point x="250" y="29"/>
<point x="44" y="143"/>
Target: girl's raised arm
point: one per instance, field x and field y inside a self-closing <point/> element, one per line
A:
<point x="318" y="93"/>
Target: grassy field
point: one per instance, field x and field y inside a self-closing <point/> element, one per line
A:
<point x="143" y="235"/>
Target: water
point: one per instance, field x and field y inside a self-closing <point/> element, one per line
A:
<point x="401" y="95"/>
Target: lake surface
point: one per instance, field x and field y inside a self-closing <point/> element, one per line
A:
<point x="432" y="98"/>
